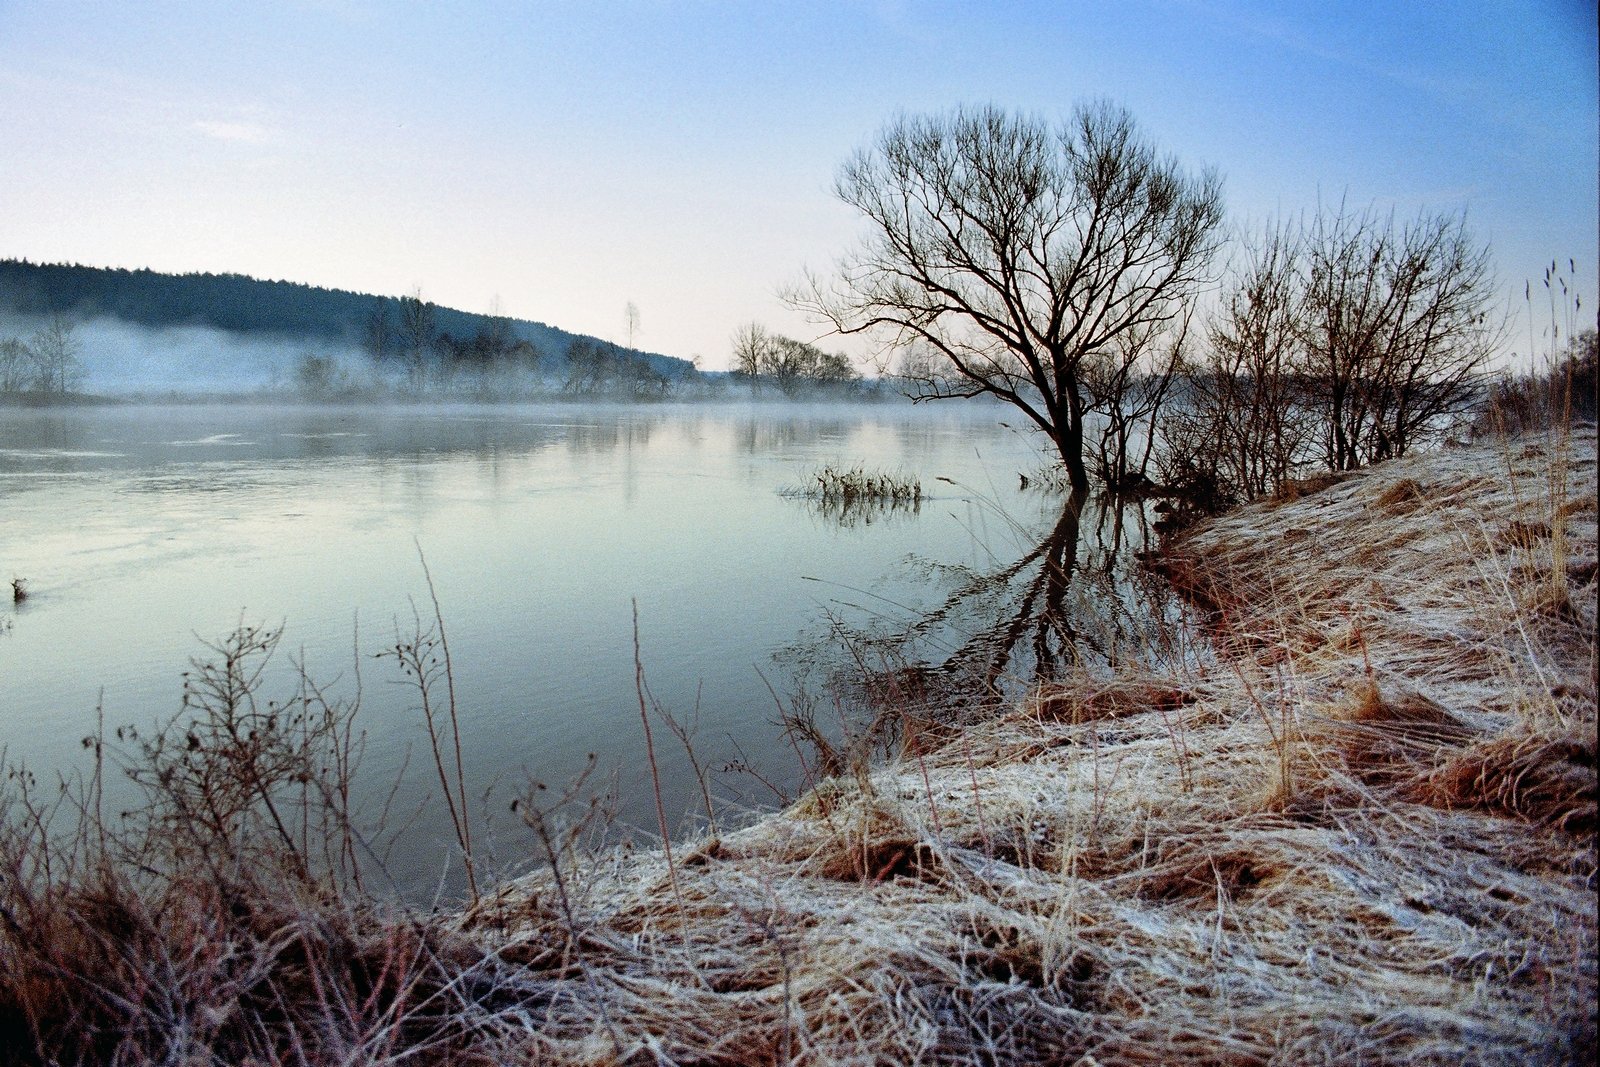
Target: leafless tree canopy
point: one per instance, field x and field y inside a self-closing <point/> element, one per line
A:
<point x="752" y="343"/>
<point x="378" y="335"/>
<point x="630" y="321"/>
<point x="1016" y="249"/>
<point x="18" y="365"/>
<point x="761" y="356"/>
<point x="54" y="354"/>
<point x="1129" y="383"/>
<point x="418" y="332"/>
<point x="1394" y="326"/>
<point x="1342" y="340"/>
<point x="1245" y="428"/>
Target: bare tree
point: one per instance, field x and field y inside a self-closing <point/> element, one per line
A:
<point x="1395" y="324"/>
<point x="596" y="367"/>
<point x="793" y="366"/>
<point x="752" y="346"/>
<point x="55" y="350"/>
<point x="1017" y="249"/>
<point x="799" y="367"/>
<point x="1129" y="383"/>
<point x="1245" y="427"/>
<point x="589" y="365"/>
<point x="417" y="337"/>
<point x="498" y="336"/>
<point x="786" y="364"/>
<point x="1341" y="341"/>
<point x="378" y="334"/>
<point x="19" y="368"/>
<point x="630" y="320"/>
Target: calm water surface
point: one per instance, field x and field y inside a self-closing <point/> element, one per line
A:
<point x="144" y="531"/>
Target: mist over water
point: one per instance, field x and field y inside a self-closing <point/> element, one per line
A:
<point x="145" y="531"/>
<point x="124" y="359"/>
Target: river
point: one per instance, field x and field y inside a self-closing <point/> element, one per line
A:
<point x="146" y="532"/>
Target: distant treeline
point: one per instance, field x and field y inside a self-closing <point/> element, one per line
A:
<point x="240" y="304"/>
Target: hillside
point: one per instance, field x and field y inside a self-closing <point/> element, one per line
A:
<point x="242" y="305"/>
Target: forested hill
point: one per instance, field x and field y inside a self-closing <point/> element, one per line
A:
<point x="240" y="304"/>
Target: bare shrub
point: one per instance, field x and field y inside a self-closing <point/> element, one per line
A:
<point x="1560" y="394"/>
<point x="1394" y="329"/>
<point x="56" y="356"/>
<point x="1129" y="384"/>
<point x="1244" y="429"/>
<point x="1342" y="341"/>
<point x="225" y="916"/>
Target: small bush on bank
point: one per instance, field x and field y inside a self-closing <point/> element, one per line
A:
<point x="1562" y="394"/>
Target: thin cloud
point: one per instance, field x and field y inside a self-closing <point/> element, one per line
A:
<point x="234" y="132"/>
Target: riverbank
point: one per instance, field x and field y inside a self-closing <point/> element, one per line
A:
<point x="1356" y="823"/>
<point x="1363" y="832"/>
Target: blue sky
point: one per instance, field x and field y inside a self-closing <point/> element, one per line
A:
<point x="562" y="159"/>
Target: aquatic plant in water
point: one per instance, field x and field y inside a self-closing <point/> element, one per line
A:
<point x="847" y="485"/>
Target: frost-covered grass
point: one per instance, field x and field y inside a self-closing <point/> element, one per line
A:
<point x="1365" y="833"/>
<point x="1362" y="832"/>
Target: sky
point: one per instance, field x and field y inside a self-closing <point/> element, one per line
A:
<point x="559" y="160"/>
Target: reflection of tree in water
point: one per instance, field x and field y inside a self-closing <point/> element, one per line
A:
<point x="1073" y="602"/>
<point x="608" y="435"/>
<point x="1026" y="612"/>
<point x="765" y="434"/>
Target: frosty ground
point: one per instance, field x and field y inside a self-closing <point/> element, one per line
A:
<point x="1363" y="831"/>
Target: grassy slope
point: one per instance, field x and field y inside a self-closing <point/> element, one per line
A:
<point x="1365" y="832"/>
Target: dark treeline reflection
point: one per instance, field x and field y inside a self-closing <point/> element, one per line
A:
<point x="608" y="436"/>
<point x="765" y="433"/>
<point x="139" y="436"/>
<point x="1074" y="601"/>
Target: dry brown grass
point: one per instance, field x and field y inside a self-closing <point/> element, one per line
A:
<point x="1296" y="488"/>
<point x="1363" y="833"/>
<point x="1402" y="496"/>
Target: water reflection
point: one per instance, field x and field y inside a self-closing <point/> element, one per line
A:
<point x="604" y="437"/>
<point x="778" y="432"/>
<point x="198" y="440"/>
<point x="1074" y="601"/>
<point x="325" y="445"/>
<point x="853" y="511"/>
<point x="543" y="525"/>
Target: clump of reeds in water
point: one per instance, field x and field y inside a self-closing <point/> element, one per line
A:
<point x="855" y="495"/>
<point x="849" y="495"/>
<point x="847" y="485"/>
